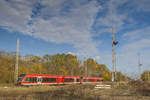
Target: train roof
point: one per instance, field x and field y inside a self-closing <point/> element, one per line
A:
<point x="42" y="75"/>
<point x="92" y="78"/>
<point x="71" y="77"/>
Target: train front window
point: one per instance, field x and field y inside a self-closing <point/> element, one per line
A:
<point x="21" y="77"/>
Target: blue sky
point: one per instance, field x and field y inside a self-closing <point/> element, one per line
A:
<point x="80" y="27"/>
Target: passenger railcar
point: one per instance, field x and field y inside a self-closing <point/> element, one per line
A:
<point x="38" y="79"/>
<point x="92" y="80"/>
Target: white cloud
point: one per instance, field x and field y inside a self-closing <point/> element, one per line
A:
<point x="136" y="46"/>
<point x="112" y="16"/>
<point x="137" y="41"/>
<point x="119" y="14"/>
<point x="141" y="5"/>
<point x="130" y="42"/>
<point x="97" y="58"/>
<point x="52" y="22"/>
<point x="14" y="15"/>
<point x="70" y="21"/>
<point x="137" y="34"/>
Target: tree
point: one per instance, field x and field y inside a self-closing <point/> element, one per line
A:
<point x="145" y="76"/>
<point x="91" y="66"/>
<point x="57" y="64"/>
<point x="7" y="69"/>
<point x="104" y="72"/>
<point x="121" y="77"/>
<point x="47" y="58"/>
<point x="36" y="59"/>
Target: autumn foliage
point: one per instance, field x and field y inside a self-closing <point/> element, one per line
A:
<point x="57" y="64"/>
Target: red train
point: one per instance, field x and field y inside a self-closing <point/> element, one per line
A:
<point x="38" y="79"/>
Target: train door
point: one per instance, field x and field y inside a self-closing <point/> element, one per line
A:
<point x="75" y="80"/>
<point x="60" y="80"/>
<point x="39" y="80"/>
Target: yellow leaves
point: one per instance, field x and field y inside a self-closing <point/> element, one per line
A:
<point x="145" y="76"/>
<point x="58" y="64"/>
<point x="106" y="76"/>
<point x="63" y="70"/>
<point x="7" y="69"/>
<point x="7" y="58"/>
<point x="104" y="71"/>
<point x="23" y="69"/>
<point x="91" y="64"/>
<point x="35" y="68"/>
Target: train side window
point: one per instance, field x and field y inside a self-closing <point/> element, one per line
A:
<point x="26" y="79"/>
<point x="49" y="80"/>
<point x="68" y="80"/>
<point x="34" y="79"/>
<point x="30" y="79"/>
<point x="91" y="80"/>
<point x="52" y="80"/>
<point x="99" y="80"/>
<point x="84" y="80"/>
<point x="44" y="80"/>
<point x="88" y="80"/>
<point x="78" y="80"/>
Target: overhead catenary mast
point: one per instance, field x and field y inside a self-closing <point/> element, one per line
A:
<point x="113" y="56"/>
<point x="115" y="69"/>
<point x="114" y="43"/>
<point x="139" y="64"/>
<point x="16" y="66"/>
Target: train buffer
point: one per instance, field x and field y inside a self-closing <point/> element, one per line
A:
<point x="102" y="86"/>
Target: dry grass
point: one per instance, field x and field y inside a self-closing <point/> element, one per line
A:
<point x="129" y="91"/>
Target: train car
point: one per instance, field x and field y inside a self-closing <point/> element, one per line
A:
<point x="38" y="79"/>
<point x="92" y="80"/>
